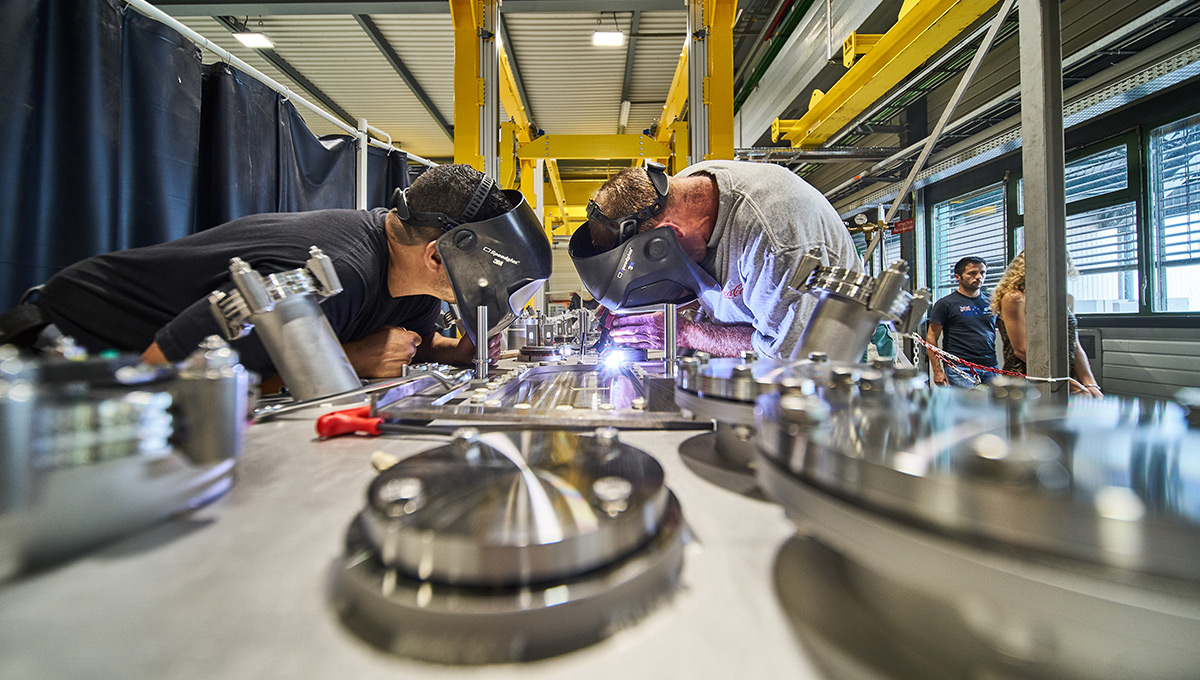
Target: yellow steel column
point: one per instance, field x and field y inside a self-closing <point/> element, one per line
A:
<point x="508" y="155"/>
<point x="467" y="17"/>
<point x="718" y="85"/>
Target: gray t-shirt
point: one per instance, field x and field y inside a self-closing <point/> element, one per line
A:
<point x="767" y="219"/>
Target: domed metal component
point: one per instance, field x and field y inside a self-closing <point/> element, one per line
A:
<point x="510" y="547"/>
<point x="1037" y="534"/>
<point x="1041" y="477"/>
<point x="514" y="509"/>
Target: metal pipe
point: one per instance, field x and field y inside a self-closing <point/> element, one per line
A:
<point x="1121" y="33"/>
<point x="481" y="342"/>
<point x="669" y="340"/>
<point x="968" y="75"/>
<point x="362" y="140"/>
<point x="227" y="56"/>
<point x="154" y="12"/>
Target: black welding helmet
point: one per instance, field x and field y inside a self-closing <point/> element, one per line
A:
<point x="649" y="269"/>
<point x="498" y="263"/>
<point x="641" y="269"/>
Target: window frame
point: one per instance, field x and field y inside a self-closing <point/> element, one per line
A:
<point x="1135" y="192"/>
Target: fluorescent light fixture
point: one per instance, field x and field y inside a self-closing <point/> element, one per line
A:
<point x="624" y="120"/>
<point x="257" y="40"/>
<point x="608" y="38"/>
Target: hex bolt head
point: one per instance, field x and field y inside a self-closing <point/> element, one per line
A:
<point x="612" y="488"/>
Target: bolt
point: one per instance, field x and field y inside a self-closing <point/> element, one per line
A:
<point x="612" y="488"/>
<point x="749" y="355"/>
<point x="466" y="435"/>
<point x="400" y="489"/>
<point x="606" y="436"/>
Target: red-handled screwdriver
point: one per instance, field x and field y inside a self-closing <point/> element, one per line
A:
<point x="348" y="421"/>
<point x="358" y="420"/>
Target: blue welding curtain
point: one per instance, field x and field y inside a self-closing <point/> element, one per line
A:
<point x="116" y="136"/>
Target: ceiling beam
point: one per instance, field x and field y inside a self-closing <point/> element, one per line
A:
<point x="591" y="147"/>
<point x="385" y="48"/>
<point x="234" y="26"/>
<point x="182" y="8"/>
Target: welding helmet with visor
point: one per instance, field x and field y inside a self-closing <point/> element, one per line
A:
<point x="641" y="270"/>
<point x="498" y="263"/>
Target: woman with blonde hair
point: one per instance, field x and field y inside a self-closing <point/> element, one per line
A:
<point x="1008" y="302"/>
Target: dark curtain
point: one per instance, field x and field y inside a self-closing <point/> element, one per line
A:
<point x="386" y="170"/>
<point x="160" y="127"/>
<point x="20" y="24"/>
<point x="314" y="172"/>
<point x="117" y="137"/>
<point x="238" y="147"/>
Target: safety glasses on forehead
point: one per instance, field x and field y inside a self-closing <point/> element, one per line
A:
<point x="626" y="226"/>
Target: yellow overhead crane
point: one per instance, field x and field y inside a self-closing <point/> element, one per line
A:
<point x="520" y="149"/>
<point x="923" y="28"/>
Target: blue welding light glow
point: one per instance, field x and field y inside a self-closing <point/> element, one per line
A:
<point x="613" y="358"/>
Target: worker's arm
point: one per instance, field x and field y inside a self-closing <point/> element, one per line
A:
<point x="932" y="335"/>
<point x="153" y="355"/>
<point x="646" y="331"/>
<point x="1012" y="312"/>
<point x="1083" y="369"/>
<point x="460" y="351"/>
<point x="383" y="352"/>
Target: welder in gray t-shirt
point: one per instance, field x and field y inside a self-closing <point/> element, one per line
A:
<point x="748" y="225"/>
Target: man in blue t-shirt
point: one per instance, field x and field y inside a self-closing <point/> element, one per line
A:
<point x="966" y="317"/>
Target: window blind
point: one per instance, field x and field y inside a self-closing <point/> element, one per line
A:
<point x="971" y="224"/>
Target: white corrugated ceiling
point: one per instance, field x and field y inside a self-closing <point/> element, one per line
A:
<point x="572" y="86"/>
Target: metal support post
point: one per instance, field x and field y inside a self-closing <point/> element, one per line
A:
<point x="1043" y="163"/>
<point x="670" y="341"/>
<point x="481" y="342"/>
<point x="697" y="66"/>
<point x="360" y="173"/>
<point x="489" y="71"/>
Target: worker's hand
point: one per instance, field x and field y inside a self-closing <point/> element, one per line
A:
<point x="463" y="352"/>
<point x="939" y="378"/>
<point x="382" y="353"/>
<point x="641" y="331"/>
<point x="1078" y="389"/>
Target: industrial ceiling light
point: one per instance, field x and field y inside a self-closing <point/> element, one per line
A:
<point x="603" y="38"/>
<point x="256" y="40"/>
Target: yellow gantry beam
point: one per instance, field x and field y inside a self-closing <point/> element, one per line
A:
<point x="718" y="86"/>
<point x="676" y="98"/>
<point x="556" y="183"/>
<point x="510" y="96"/>
<point x="466" y="15"/>
<point x="925" y="27"/>
<point x="574" y="147"/>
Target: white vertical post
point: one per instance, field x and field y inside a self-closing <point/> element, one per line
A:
<point x="360" y="173"/>
<point x="670" y="343"/>
<point x="697" y="76"/>
<point x="489" y="70"/>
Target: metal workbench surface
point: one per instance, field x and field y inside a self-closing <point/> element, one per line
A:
<point x="240" y="588"/>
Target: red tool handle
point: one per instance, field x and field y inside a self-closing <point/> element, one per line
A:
<point x="348" y="421"/>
